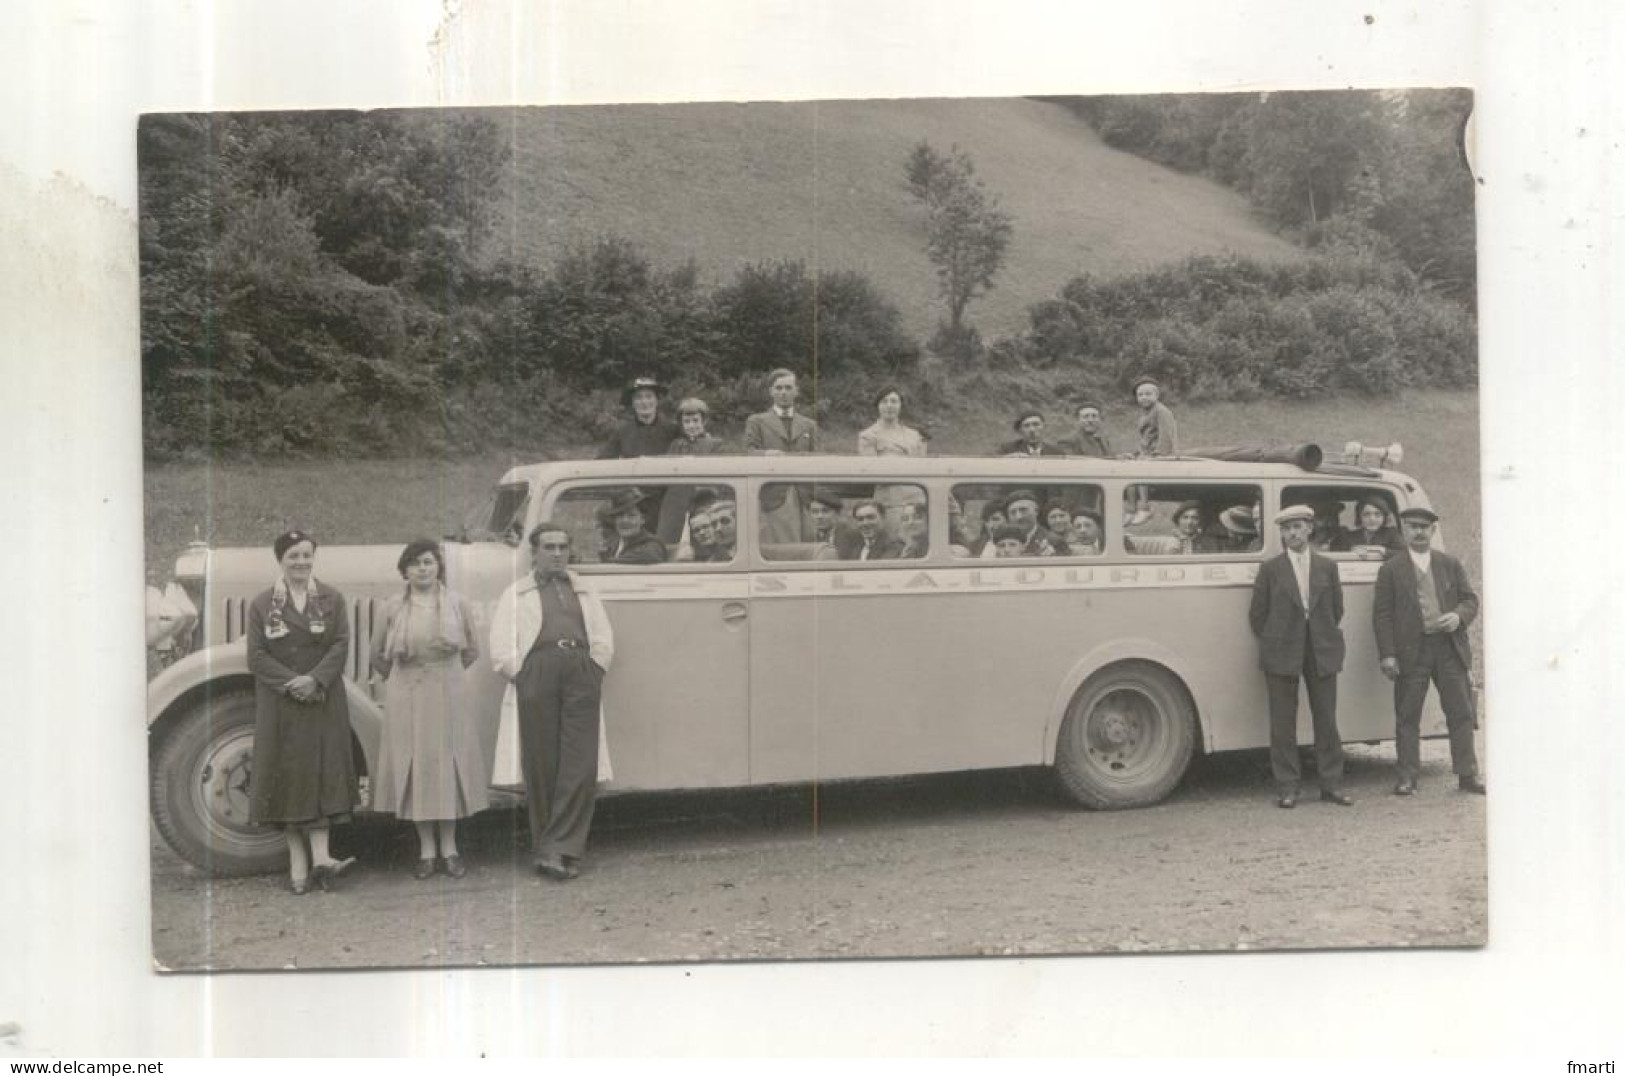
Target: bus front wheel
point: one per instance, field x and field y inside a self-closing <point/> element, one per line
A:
<point x="1127" y="738"/>
<point x="200" y="779"/>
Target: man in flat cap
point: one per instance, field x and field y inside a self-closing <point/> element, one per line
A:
<point x="1021" y="512"/>
<point x="1090" y="437"/>
<point x="1297" y="613"/>
<point x="1423" y="607"/>
<point x="1030" y="425"/>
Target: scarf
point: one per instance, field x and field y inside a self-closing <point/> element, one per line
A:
<point x="276" y="627"/>
<point x="448" y="616"/>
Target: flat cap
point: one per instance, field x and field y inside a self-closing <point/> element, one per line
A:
<point x="1297" y="511"/>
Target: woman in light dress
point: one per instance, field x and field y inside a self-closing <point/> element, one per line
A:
<point x="432" y="769"/>
<point x="889" y="437"/>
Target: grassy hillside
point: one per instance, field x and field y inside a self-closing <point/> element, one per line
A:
<point x="729" y="184"/>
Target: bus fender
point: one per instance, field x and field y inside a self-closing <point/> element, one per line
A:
<point x="230" y="661"/>
<point x="1130" y="649"/>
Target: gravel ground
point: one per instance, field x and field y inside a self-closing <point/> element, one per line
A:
<point x="967" y="864"/>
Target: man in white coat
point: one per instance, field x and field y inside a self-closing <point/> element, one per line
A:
<point x="551" y="638"/>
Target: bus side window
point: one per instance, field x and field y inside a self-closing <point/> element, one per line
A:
<point x="618" y="524"/>
<point x="1053" y="519"/>
<point x="1356" y="521"/>
<point x="845" y="522"/>
<point x="1193" y="520"/>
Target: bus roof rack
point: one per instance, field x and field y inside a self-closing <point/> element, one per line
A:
<point x="1307" y="456"/>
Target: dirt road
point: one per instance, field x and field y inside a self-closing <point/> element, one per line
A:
<point x="967" y="864"/>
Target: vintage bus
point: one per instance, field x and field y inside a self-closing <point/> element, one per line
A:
<point x="799" y="658"/>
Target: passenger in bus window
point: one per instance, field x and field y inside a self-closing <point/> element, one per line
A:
<point x="1009" y="541"/>
<point x="633" y="544"/>
<point x="1373" y="530"/>
<point x="702" y="535"/>
<point x="1328" y="523"/>
<point x="824" y="509"/>
<point x="869" y="541"/>
<point x="1297" y="615"/>
<point x="959" y="541"/>
<point x="1021" y="509"/>
<point x="723" y="518"/>
<point x="1188" y="527"/>
<point x="1058" y="518"/>
<point x="1088" y="533"/>
<point x="1240" y="532"/>
<point x="913" y="531"/>
<point x="992" y="518"/>
<point x="779" y="431"/>
<point x="1090" y="437"/>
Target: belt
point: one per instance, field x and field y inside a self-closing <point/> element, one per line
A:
<point x="570" y="644"/>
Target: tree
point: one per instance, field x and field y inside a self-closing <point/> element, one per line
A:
<point x="967" y="233"/>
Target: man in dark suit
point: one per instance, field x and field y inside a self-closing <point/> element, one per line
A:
<point x="1297" y="612"/>
<point x="1030" y="424"/>
<point x="1021" y="511"/>
<point x="1424" y="604"/>
<point x="869" y="541"/>
<point x="1090" y="438"/>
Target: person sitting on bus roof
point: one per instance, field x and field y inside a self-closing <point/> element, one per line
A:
<point x="1021" y="510"/>
<point x="912" y="528"/>
<point x="870" y="540"/>
<point x="633" y="544"/>
<point x="1090" y="437"/>
<point x="1374" y="530"/>
<point x="1088" y="533"/>
<point x="1030" y="425"/>
<point x="1009" y="541"/>
<point x="695" y="441"/>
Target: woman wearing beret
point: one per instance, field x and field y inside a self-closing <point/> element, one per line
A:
<point x="304" y="774"/>
<point x="431" y="769"/>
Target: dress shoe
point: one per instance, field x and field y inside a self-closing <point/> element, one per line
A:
<point x="424" y="869"/>
<point x="453" y="865"/>
<point x="1472" y="782"/>
<point x="1406" y="787"/>
<point x="553" y="867"/>
<point x="1287" y="800"/>
<point x="326" y="876"/>
<point x="572" y="866"/>
<point x="299" y="886"/>
<point x="1332" y="795"/>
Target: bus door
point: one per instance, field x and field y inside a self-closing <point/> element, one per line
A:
<point x="676" y="705"/>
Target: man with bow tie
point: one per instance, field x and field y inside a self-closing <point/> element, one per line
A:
<point x="1297" y="613"/>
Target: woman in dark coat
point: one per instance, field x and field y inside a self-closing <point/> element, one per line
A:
<point x="304" y="774"/>
<point x="1374" y="530"/>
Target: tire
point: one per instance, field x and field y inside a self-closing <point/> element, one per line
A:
<point x="1127" y="738"/>
<point x="200" y="779"/>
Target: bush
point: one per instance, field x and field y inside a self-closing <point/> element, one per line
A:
<point x="1348" y="319"/>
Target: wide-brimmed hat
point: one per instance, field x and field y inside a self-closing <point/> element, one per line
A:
<point x="1427" y="515"/>
<point x="649" y="383"/>
<point x="1238" y="519"/>
<point x="622" y="501"/>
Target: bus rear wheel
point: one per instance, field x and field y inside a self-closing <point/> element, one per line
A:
<point x="1127" y="738"/>
<point x="200" y="780"/>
